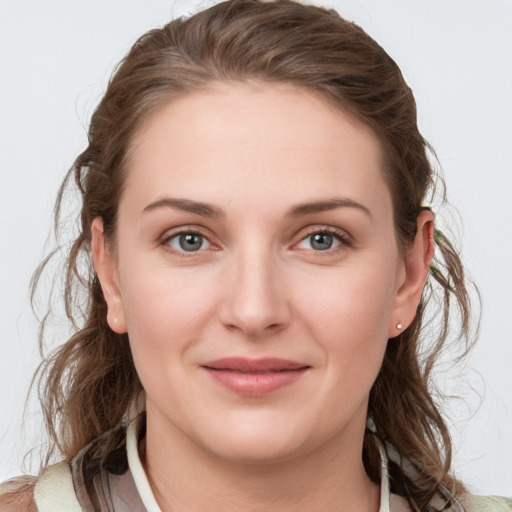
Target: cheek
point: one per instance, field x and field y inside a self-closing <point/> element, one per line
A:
<point x="156" y="305"/>
<point x="349" y="315"/>
<point x="352" y="301"/>
<point x="165" y="309"/>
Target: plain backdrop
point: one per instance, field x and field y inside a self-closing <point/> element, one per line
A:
<point x="55" y="60"/>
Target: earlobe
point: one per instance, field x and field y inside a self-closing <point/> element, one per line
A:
<point x="417" y="260"/>
<point x="105" y="266"/>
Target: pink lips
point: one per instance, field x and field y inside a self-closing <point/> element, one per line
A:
<point x="254" y="377"/>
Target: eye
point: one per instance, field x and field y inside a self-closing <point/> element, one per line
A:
<point x="319" y="242"/>
<point x="323" y="240"/>
<point x="188" y="242"/>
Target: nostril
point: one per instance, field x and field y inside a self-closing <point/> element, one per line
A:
<point x="253" y="306"/>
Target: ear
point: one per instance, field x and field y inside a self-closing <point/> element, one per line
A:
<point x="417" y="260"/>
<point x="105" y="266"/>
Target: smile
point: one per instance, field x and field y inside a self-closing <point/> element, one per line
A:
<point x="254" y="377"/>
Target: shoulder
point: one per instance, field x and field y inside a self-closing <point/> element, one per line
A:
<point x="486" y="504"/>
<point x="17" y="495"/>
<point x="51" y="491"/>
<point x="54" y="490"/>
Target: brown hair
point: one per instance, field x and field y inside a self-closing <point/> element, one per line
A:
<point x="88" y="384"/>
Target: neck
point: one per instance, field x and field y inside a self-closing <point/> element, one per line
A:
<point x="186" y="478"/>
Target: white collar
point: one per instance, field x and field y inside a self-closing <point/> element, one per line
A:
<point x="137" y="470"/>
<point x="148" y="498"/>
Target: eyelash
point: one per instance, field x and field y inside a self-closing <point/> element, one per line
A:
<point x="182" y="253"/>
<point x="341" y="236"/>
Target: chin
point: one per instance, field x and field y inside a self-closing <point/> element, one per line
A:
<point x="261" y="451"/>
<point x="256" y="443"/>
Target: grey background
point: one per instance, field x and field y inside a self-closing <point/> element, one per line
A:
<point x="55" y="60"/>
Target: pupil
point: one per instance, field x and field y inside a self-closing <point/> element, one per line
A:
<point x="321" y="241"/>
<point x="191" y="242"/>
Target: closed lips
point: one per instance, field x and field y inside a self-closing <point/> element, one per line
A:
<point x="255" y="366"/>
<point x="255" y="377"/>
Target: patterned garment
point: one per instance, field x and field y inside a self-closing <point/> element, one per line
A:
<point x="93" y="482"/>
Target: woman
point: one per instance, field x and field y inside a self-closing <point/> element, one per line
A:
<point x="254" y="220"/>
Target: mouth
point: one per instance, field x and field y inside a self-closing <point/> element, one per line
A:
<point x="255" y="377"/>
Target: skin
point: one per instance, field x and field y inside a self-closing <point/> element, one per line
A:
<point x="258" y="287"/>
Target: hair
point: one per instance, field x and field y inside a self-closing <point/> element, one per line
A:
<point x="88" y="384"/>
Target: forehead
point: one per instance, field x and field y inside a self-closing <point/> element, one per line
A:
<point x="254" y="140"/>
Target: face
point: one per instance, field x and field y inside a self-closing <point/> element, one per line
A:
<point x="257" y="270"/>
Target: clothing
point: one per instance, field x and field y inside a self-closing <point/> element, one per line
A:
<point x="119" y="483"/>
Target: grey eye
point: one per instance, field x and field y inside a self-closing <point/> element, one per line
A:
<point x="321" y="241"/>
<point x="188" y="242"/>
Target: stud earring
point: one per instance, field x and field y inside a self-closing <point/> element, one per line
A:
<point x="115" y="319"/>
<point x="399" y="326"/>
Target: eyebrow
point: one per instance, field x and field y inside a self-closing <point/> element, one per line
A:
<point x="325" y="205"/>
<point x="299" y="210"/>
<point x="203" y="209"/>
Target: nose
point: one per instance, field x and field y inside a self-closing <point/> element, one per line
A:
<point x="255" y="301"/>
